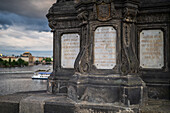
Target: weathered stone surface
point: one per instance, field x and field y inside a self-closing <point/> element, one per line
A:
<point x="32" y="105"/>
<point x="11" y="103"/>
<point x="128" y="90"/>
<point x="9" y="107"/>
<point x="62" y="104"/>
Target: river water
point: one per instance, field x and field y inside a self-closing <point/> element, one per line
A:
<point x="19" y="79"/>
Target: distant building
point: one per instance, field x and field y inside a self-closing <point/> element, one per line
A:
<point x="9" y="57"/>
<point x="34" y="59"/>
<point x="43" y="62"/>
<point x="25" y="59"/>
<point x="40" y="58"/>
<point x="27" y="56"/>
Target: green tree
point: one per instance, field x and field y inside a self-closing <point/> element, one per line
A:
<point x="5" y="63"/>
<point x="1" y="60"/>
<point x="48" y="60"/>
<point x="20" y="62"/>
<point x="37" y="62"/>
<point x="13" y="63"/>
<point x="9" y="61"/>
<point x="25" y="63"/>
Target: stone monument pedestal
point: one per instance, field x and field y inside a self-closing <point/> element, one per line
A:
<point x="106" y="53"/>
<point x="126" y="90"/>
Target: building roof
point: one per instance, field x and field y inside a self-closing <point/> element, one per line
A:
<point x="26" y="54"/>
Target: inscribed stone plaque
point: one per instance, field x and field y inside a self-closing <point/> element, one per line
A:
<point x="105" y="47"/>
<point x="151" y="49"/>
<point x="70" y="47"/>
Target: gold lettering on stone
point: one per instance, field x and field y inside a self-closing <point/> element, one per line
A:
<point x="105" y="47"/>
<point x="70" y="47"/>
<point x="151" y="49"/>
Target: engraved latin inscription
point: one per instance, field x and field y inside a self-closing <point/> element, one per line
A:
<point x="151" y="49"/>
<point x="105" y="47"/>
<point x="70" y="47"/>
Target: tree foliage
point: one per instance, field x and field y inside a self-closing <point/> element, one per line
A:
<point x="19" y="62"/>
<point x="48" y="60"/>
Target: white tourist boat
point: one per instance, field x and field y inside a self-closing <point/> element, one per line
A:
<point x="42" y="75"/>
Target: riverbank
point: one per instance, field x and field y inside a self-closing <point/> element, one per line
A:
<point x="25" y="69"/>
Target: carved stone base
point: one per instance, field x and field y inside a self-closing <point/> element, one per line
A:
<point x="126" y="90"/>
<point x="57" y="85"/>
<point x="158" y="85"/>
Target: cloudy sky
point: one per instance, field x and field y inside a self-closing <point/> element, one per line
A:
<point x="24" y="27"/>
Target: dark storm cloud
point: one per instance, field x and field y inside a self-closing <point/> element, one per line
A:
<point x="27" y="13"/>
<point x="4" y="20"/>
<point x="21" y="7"/>
<point x="29" y="23"/>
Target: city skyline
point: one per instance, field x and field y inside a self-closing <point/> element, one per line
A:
<point x="34" y="53"/>
<point x="24" y="27"/>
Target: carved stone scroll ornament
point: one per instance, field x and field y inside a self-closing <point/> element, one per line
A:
<point x="125" y="64"/>
<point x="53" y="25"/>
<point x="83" y="17"/>
<point x="129" y="15"/>
<point x="126" y="33"/>
<point x="130" y="63"/>
<point x="81" y="63"/>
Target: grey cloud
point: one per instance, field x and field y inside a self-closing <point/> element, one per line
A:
<point x="28" y="22"/>
<point x="30" y="8"/>
<point x="27" y="13"/>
